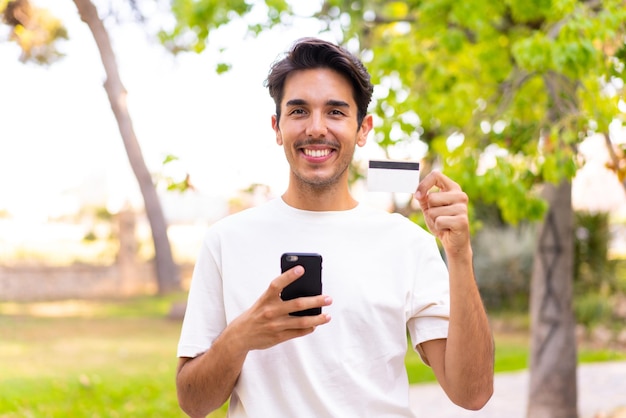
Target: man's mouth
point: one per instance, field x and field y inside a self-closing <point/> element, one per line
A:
<point x="316" y="153"/>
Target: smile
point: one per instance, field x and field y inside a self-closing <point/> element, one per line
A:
<point x="316" y="153"/>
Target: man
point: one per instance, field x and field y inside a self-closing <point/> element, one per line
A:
<point x="382" y="275"/>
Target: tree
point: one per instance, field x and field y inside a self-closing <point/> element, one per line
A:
<point x="38" y="43"/>
<point x="168" y="276"/>
<point x="36" y="31"/>
<point x="502" y="93"/>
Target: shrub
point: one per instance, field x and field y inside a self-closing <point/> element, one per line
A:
<point x="593" y="271"/>
<point x="592" y="309"/>
<point x="503" y="261"/>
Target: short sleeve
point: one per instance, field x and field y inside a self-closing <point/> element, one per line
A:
<point x="205" y="315"/>
<point x="429" y="309"/>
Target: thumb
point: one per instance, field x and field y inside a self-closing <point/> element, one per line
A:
<point x="421" y="198"/>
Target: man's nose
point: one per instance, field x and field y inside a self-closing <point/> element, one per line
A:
<point x="316" y="127"/>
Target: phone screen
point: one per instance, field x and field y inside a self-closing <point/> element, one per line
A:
<point x="309" y="284"/>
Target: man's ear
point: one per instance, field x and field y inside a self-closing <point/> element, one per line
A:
<point x="364" y="130"/>
<point x="279" y="137"/>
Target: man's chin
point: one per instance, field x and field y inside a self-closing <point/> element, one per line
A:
<point x="318" y="181"/>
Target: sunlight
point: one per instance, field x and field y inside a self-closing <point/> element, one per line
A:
<point x="57" y="309"/>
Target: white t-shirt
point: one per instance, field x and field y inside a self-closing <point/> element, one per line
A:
<point x="384" y="273"/>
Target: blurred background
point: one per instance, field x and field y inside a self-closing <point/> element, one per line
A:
<point x="110" y="174"/>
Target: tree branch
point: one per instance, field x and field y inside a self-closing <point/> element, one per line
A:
<point x="509" y="87"/>
<point x="617" y="164"/>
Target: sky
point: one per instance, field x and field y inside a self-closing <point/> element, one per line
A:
<point x="59" y="138"/>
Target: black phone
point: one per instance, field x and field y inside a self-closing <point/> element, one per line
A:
<point x="309" y="284"/>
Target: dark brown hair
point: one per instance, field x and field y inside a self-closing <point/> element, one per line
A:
<point x="312" y="53"/>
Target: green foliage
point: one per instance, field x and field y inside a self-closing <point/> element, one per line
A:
<point x="173" y="184"/>
<point x="530" y="12"/>
<point x="195" y="19"/>
<point x="90" y="236"/>
<point x="537" y="70"/>
<point x="103" y="214"/>
<point x="527" y="77"/>
<point x="503" y="262"/>
<point x="620" y="275"/>
<point x="506" y="184"/>
<point x="222" y="67"/>
<point x="593" y="272"/>
<point x="596" y="277"/>
<point x="592" y="309"/>
<point x="169" y="158"/>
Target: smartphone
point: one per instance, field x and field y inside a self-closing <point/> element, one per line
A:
<point x="309" y="284"/>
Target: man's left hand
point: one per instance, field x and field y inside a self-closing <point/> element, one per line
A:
<point x="445" y="211"/>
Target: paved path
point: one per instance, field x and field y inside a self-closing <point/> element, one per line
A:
<point x="601" y="388"/>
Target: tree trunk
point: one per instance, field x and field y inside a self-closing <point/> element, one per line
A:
<point x="167" y="272"/>
<point x="553" y="390"/>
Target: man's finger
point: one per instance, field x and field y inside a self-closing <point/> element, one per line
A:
<point x="435" y="179"/>
<point x="278" y="284"/>
<point x="308" y="302"/>
<point x="446" y="199"/>
<point x="447" y="210"/>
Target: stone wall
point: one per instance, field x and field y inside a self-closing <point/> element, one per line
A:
<point x="34" y="283"/>
<point x="38" y="283"/>
<point x="128" y="276"/>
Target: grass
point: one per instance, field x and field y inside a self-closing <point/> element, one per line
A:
<point x="512" y="354"/>
<point x="96" y="367"/>
<point x="118" y="359"/>
<point x="107" y="359"/>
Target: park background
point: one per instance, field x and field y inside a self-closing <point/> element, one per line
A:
<point x="83" y="333"/>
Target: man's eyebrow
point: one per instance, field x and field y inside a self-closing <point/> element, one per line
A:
<point x="337" y="103"/>
<point x="332" y="102"/>
<point x="295" y="102"/>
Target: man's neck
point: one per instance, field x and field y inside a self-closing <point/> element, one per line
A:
<point x="319" y="199"/>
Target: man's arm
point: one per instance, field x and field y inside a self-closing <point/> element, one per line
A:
<point x="462" y="363"/>
<point x="205" y="382"/>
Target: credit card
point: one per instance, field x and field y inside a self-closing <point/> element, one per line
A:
<point x="393" y="176"/>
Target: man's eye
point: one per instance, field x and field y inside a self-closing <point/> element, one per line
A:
<point x="297" y="112"/>
<point x="336" y="112"/>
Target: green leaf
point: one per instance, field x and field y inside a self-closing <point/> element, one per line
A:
<point x="222" y="67"/>
<point x="169" y="158"/>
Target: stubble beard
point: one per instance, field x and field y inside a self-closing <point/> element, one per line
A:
<point x="317" y="183"/>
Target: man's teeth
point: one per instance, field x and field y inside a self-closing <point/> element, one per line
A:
<point x="316" y="153"/>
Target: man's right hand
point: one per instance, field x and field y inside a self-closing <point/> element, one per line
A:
<point x="267" y="322"/>
<point x="205" y="382"/>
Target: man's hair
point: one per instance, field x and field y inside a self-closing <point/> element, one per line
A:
<point x="313" y="53"/>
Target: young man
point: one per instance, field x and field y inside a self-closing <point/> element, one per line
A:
<point x="382" y="275"/>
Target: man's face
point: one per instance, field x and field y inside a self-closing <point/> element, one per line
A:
<point x="318" y="127"/>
